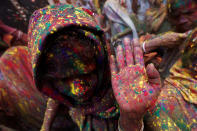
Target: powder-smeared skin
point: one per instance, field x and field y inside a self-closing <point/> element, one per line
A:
<point x="135" y="88"/>
<point x="52" y="107"/>
<point x="168" y="39"/>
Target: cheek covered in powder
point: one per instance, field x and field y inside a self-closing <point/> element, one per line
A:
<point x="79" y="87"/>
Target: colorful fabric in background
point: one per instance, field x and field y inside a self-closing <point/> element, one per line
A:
<point x="22" y="106"/>
<point x="176" y="106"/>
<point x="120" y="18"/>
<point x="149" y="17"/>
<point x="183" y="73"/>
<point x="190" y="52"/>
<point x="20" y="100"/>
<point x="172" y="112"/>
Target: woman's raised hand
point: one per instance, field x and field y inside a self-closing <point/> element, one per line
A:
<point x="135" y="87"/>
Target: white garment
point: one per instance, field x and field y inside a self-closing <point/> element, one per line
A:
<point x="143" y="6"/>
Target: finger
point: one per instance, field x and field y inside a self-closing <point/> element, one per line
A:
<point x="114" y="76"/>
<point x="121" y="2"/>
<point x="138" y="53"/>
<point x="154" y="82"/>
<point x="120" y="57"/>
<point x="153" y="74"/>
<point x="128" y="51"/>
<point x="183" y="35"/>
<point x="113" y="65"/>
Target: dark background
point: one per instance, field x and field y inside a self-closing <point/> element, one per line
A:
<point x="16" y="13"/>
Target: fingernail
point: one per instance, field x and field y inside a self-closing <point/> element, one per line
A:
<point x="183" y="35"/>
<point x="135" y="42"/>
<point x="112" y="57"/>
<point x="152" y="65"/>
<point x="126" y="39"/>
<point x="119" y="47"/>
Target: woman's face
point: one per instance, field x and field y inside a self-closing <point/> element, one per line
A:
<point x="185" y="18"/>
<point x="72" y="67"/>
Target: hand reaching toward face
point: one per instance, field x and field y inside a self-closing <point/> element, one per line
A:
<point x="169" y="39"/>
<point x="135" y="88"/>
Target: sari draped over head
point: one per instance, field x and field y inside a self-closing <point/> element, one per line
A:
<point x="19" y="99"/>
<point x="52" y="22"/>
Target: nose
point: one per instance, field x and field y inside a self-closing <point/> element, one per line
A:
<point x="183" y="20"/>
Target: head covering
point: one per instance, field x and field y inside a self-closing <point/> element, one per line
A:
<point x="51" y="23"/>
<point x="173" y="5"/>
<point x="73" y="63"/>
<point x="51" y="19"/>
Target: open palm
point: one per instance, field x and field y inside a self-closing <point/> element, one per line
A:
<point x="135" y="88"/>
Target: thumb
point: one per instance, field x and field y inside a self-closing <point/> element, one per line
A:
<point x="183" y="35"/>
<point x="153" y="74"/>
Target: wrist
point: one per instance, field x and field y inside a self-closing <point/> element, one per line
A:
<point x="151" y="45"/>
<point x="126" y="123"/>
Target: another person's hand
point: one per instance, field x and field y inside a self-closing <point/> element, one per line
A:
<point x="12" y="36"/>
<point x="50" y="114"/>
<point x="169" y="39"/>
<point x="100" y="20"/>
<point x="135" y="88"/>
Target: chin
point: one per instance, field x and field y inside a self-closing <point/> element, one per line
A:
<point x="183" y="28"/>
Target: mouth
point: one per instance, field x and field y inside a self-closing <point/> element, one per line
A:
<point x="184" y="26"/>
<point x="81" y="88"/>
